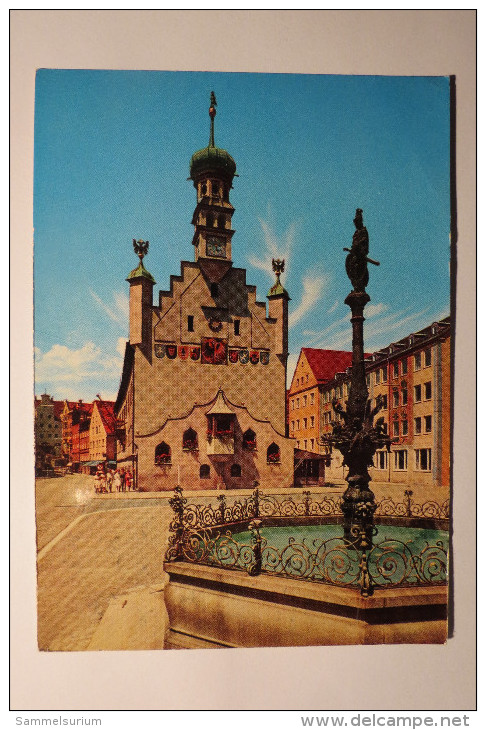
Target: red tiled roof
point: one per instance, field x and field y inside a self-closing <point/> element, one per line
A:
<point x="326" y="363"/>
<point x="58" y="408"/>
<point x="107" y="414"/>
<point x="85" y="407"/>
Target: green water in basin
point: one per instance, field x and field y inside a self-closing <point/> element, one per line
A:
<point x="416" y="537"/>
<point x="400" y="556"/>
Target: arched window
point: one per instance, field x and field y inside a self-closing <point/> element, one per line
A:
<point x="273" y="454"/>
<point x="210" y="220"/>
<point x="249" y="440"/>
<point x="189" y="440"/>
<point x="204" y="188"/>
<point x="204" y="471"/>
<point x="162" y="454"/>
<point x="215" y="189"/>
<point x="221" y="221"/>
<point x="235" y="470"/>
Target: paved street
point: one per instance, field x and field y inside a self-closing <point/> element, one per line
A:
<point x="106" y="552"/>
<point x="93" y="548"/>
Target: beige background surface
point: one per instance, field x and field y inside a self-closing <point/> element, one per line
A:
<point x="321" y="678"/>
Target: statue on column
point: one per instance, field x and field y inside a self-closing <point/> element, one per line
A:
<point x="357" y="259"/>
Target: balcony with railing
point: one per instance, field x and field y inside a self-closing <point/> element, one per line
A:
<point x="220" y="438"/>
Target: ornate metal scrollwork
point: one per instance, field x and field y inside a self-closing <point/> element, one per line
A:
<point x="206" y="534"/>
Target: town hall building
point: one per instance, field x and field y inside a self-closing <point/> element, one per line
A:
<point x="202" y="398"/>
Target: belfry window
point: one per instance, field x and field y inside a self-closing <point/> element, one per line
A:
<point x="162" y="454"/>
<point x="273" y="454"/>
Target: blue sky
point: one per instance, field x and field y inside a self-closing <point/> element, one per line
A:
<point x="111" y="162"/>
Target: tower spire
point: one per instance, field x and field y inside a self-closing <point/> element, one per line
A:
<point x="212" y="114"/>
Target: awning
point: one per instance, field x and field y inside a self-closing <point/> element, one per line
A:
<point x="301" y="454"/>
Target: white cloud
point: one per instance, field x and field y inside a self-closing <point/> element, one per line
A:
<point x="334" y="307"/>
<point x="78" y="373"/>
<point x="378" y="333"/>
<point x="118" y="311"/>
<point x="281" y="247"/>
<point x="275" y="248"/>
<point x="291" y="365"/>
<point x="312" y="286"/>
<point x="120" y="345"/>
<point x="371" y="310"/>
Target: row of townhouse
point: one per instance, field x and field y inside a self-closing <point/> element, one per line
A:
<point x="88" y="434"/>
<point x="413" y="379"/>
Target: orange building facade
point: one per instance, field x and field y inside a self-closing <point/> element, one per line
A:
<point x="102" y="432"/>
<point x="413" y="379"/>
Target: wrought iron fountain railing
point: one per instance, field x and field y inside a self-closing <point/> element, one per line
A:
<point x="215" y="536"/>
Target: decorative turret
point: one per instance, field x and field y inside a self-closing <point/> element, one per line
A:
<point x="141" y="298"/>
<point x="278" y="308"/>
<point x="212" y="170"/>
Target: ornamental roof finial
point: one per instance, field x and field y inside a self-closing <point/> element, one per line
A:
<point x="141" y="248"/>
<point x="278" y="265"/>
<point x="212" y="114"/>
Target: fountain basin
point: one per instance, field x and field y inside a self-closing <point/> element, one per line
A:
<point x="308" y="591"/>
<point x="211" y="607"/>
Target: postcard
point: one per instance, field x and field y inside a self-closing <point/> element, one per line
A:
<point x="246" y="323"/>
<point x="248" y="373"/>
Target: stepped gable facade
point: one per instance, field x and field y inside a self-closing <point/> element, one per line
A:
<point x="202" y="398"/>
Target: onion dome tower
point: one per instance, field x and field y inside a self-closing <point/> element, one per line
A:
<point x="212" y="170"/>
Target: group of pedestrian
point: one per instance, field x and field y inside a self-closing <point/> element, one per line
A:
<point x="113" y="480"/>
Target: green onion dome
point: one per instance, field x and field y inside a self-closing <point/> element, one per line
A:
<point x="211" y="159"/>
